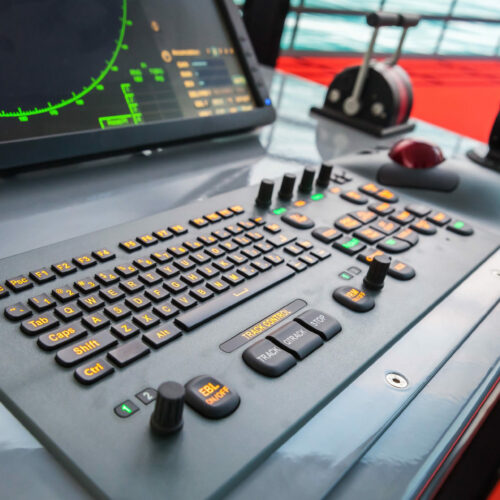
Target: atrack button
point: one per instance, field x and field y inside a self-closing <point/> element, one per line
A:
<point x="353" y="298"/>
<point x="296" y="340"/>
<point x="268" y="359"/>
<point x="211" y="398"/>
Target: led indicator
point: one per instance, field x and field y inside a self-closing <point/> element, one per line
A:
<point x="279" y="211"/>
<point x="268" y="102"/>
<point x="345" y="276"/>
<point x="459" y="224"/>
<point x="317" y="196"/>
<point x="299" y="203"/>
<point x="390" y="242"/>
<point x="126" y="409"/>
<point x="351" y="243"/>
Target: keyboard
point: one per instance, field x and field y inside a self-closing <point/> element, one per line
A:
<point x="260" y="311"/>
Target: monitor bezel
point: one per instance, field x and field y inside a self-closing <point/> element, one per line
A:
<point x="63" y="148"/>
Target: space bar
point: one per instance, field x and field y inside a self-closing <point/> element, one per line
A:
<point x="209" y="310"/>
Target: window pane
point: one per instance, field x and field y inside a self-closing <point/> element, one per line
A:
<point x="421" y="39"/>
<point x="470" y="38"/>
<point x="477" y="8"/>
<point x="344" y="4"/>
<point x="332" y="33"/>
<point x="437" y="7"/>
<point x="286" y="37"/>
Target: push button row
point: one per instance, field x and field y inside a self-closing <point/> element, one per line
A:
<point x="277" y="353"/>
<point x="216" y="216"/>
<point x="43" y="275"/>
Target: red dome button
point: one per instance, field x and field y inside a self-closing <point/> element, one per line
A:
<point x="412" y="153"/>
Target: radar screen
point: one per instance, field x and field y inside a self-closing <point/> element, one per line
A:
<point x="70" y="66"/>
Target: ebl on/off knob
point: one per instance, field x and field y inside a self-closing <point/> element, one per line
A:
<point x="324" y="175"/>
<point x="167" y="415"/>
<point x="306" y="184"/>
<point x="265" y="196"/>
<point x="377" y="272"/>
<point x="287" y="185"/>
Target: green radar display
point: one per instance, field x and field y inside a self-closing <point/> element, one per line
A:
<point x="55" y="53"/>
<point x="91" y="66"/>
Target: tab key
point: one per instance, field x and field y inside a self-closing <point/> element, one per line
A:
<point x="39" y="324"/>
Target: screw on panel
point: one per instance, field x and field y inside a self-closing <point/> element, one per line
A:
<point x="496" y="272"/>
<point x="396" y="380"/>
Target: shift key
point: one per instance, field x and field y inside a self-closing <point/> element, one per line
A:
<point x="74" y="354"/>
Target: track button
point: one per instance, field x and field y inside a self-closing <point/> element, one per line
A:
<point x="295" y="339"/>
<point x="354" y="299"/>
<point x="268" y="359"/>
<point x="211" y="398"/>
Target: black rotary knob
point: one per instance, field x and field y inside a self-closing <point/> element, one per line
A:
<point x="306" y="184"/>
<point x="287" y="185"/>
<point x="377" y="272"/>
<point x="265" y="195"/>
<point x="167" y="415"/>
<point x="325" y="173"/>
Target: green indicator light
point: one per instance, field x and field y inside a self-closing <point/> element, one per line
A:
<point x="317" y="196"/>
<point x="351" y="243"/>
<point x="279" y="211"/>
<point x="459" y="224"/>
<point x="390" y="242"/>
<point x="126" y="409"/>
<point x="345" y="276"/>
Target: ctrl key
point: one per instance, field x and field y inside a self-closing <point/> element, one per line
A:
<point x="268" y="359"/>
<point x="92" y="372"/>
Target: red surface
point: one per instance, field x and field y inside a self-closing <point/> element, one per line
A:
<point x="462" y="95"/>
<point x="411" y="153"/>
<point x="495" y="494"/>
